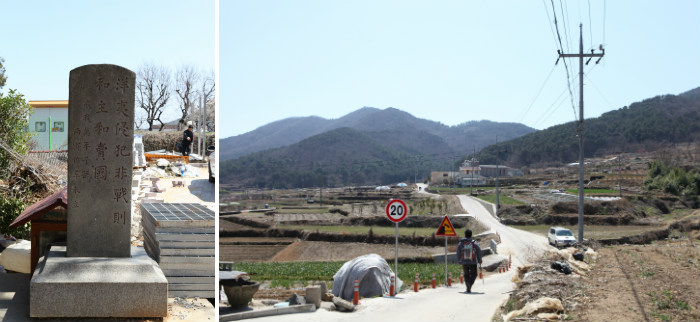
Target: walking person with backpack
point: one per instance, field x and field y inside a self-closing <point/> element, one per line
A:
<point x="469" y="254"/>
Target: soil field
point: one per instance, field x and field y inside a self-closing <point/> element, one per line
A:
<point x="247" y="249"/>
<point x="657" y="282"/>
<point x="330" y="251"/>
<point x="248" y="253"/>
<point x="250" y="249"/>
<point x="227" y="225"/>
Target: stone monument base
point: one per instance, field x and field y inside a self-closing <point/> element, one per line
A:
<point x="98" y="286"/>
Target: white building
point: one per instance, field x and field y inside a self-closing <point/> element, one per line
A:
<point x="49" y="123"/>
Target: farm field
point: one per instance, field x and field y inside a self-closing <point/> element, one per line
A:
<point x="363" y="230"/>
<point x="656" y="282"/>
<point x="263" y="249"/>
<point x="503" y="199"/>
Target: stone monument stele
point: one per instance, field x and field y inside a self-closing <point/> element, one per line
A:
<point x="100" y="161"/>
<point x="98" y="273"/>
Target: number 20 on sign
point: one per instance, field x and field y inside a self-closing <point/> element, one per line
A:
<point x="396" y="210"/>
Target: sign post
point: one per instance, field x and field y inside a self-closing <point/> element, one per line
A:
<point x="446" y="229"/>
<point x="396" y="211"/>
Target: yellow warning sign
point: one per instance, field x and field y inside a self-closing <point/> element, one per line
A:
<point x="446" y="228"/>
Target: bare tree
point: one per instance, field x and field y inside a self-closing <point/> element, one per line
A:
<point x="185" y="81"/>
<point x="139" y="119"/>
<point x="205" y="95"/>
<point x="153" y="91"/>
<point x="210" y="121"/>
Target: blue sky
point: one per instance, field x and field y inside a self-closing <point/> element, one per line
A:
<point x="42" y="41"/>
<point x="448" y="61"/>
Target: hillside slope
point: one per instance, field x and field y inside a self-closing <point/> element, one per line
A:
<point x="339" y="157"/>
<point x="642" y="126"/>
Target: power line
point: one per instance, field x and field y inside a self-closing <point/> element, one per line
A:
<point x="551" y="109"/>
<point x="538" y="94"/>
<point x="566" y="28"/>
<point x="561" y="51"/>
<point x="549" y="22"/>
<point x="610" y="106"/>
<point x="604" y="14"/>
<point x="590" y="24"/>
<point x="558" y="102"/>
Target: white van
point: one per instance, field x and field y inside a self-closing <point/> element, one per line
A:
<point x="560" y="237"/>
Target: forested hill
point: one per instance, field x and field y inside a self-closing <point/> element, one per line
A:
<point x="465" y="136"/>
<point x="340" y="157"/>
<point x="646" y="125"/>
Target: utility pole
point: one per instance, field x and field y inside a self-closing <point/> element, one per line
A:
<point x="498" y="172"/>
<point x="471" y="165"/>
<point x="619" y="171"/>
<point x="454" y="176"/>
<point x="580" y="56"/>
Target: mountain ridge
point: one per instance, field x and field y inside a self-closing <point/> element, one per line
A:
<point x="295" y="129"/>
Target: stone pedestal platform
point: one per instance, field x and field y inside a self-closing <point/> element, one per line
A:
<point x="98" y="286"/>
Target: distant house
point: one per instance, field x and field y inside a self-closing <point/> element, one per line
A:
<point x="49" y="123"/>
<point x="443" y="177"/>
<point x="472" y="166"/>
<point x="492" y="171"/>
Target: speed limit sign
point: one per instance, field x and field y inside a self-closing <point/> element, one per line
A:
<point x="396" y="210"/>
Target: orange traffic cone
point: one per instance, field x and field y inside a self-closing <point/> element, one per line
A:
<point x="356" y="293"/>
<point x="393" y="285"/>
<point x="449" y="279"/>
<point x="510" y="260"/>
<point x="433" y="281"/>
<point x="415" y="283"/>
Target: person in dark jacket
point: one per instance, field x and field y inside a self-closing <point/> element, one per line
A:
<point x="469" y="254"/>
<point x="187" y="137"/>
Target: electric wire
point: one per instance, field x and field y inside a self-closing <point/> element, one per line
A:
<point x="557" y="103"/>
<point x="604" y="14"/>
<point x="551" y="109"/>
<point x="566" y="27"/>
<point x="566" y="67"/>
<point x="549" y="22"/>
<point x="537" y="95"/>
<point x="610" y="106"/>
<point x="590" y="24"/>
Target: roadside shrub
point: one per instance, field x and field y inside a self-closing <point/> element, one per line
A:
<point x="167" y="140"/>
<point x="10" y="208"/>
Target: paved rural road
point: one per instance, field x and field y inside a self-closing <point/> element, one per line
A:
<point x="444" y="304"/>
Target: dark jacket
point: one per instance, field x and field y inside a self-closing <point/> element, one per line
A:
<point x="476" y="250"/>
<point x="185" y="141"/>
